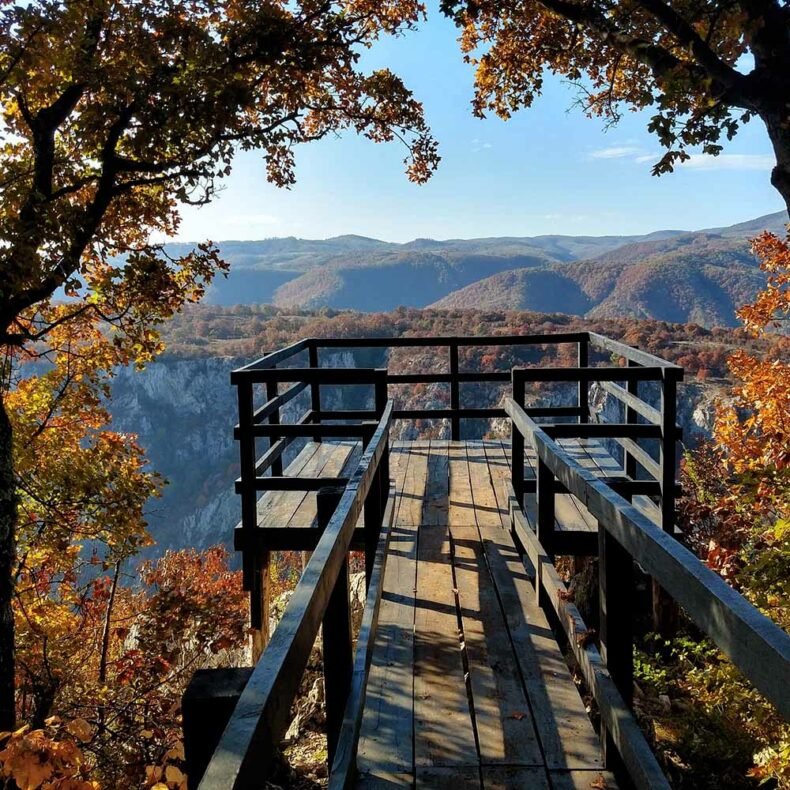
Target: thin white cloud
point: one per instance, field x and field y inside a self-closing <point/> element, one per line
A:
<point x="615" y="152"/>
<point x="730" y="162"/>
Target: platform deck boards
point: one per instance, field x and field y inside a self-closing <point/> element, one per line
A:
<point x="467" y="686"/>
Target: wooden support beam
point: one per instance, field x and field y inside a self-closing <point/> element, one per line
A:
<point x="206" y="707"/>
<point x="315" y="387"/>
<point x="336" y="630"/>
<point x="455" y="394"/>
<point x="517" y="434"/>
<point x="583" y="399"/>
<point x="616" y="625"/>
<point x="373" y="510"/>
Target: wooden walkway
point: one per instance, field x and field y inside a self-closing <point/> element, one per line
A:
<point x="467" y="686"/>
<point x="456" y="679"/>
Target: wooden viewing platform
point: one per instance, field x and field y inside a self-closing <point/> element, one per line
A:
<point x="457" y="677"/>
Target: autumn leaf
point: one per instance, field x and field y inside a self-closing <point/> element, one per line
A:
<point x="80" y="728"/>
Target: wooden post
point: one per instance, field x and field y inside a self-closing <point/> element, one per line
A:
<point x="545" y="525"/>
<point x="455" y="395"/>
<point x="616" y="624"/>
<point x="274" y="419"/>
<point x="315" y="387"/>
<point x="206" y="707"/>
<point x="665" y="611"/>
<point x="336" y="630"/>
<point x="583" y="361"/>
<point x="631" y="418"/>
<point x="517" y="443"/>
<point x="380" y="392"/>
<point x="255" y="567"/>
<point x="373" y="513"/>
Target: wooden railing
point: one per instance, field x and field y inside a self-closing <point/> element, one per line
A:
<point x="627" y="534"/>
<point x="265" y="472"/>
<point x="316" y="348"/>
<point x="642" y="475"/>
<point x="757" y="646"/>
<point x="260" y="719"/>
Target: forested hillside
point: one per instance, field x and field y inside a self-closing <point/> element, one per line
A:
<point x="668" y="275"/>
<point x="698" y="278"/>
<point x="183" y="408"/>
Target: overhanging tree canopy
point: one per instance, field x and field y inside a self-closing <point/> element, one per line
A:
<point x="115" y="112"/>
<point x="703" y="67"/>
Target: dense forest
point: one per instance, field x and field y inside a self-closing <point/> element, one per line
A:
<point x="249" y="331"/>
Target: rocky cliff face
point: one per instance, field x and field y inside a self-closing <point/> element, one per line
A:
<point x="183" y="412"/>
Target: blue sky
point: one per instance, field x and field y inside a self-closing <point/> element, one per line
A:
<point x="549" y="169"/>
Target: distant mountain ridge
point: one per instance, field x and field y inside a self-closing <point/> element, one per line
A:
<point x="698" y="276"/>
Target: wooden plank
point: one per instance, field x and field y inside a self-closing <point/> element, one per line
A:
<point x="386" y="737"/>
<point x="487" y="511"/>
<point x="641" y="456"/>
<point x="437" y="484"/>
<point x="344" y="765"/>
<point x="566" y="735"/>
<point x="330" y="461"/>
<point x="443" y="732"/>
<point x="438" y="341"/>
<point x="277" y="507"/>
<point x="634" y="354"/>
<point x="508" y="777"/>
<point x="461" y="506"/>
<point x="383" y="781"/>
<point x="449" y="778"/>
<point x="498" y="458"/>
<point x="502" y="716"/>
<point x="587" y="374"/>
<point x="399" y="462"/>
<point x="632" y="401"/>
<point x="413" y="492"/>
<point x="582" y="780"/>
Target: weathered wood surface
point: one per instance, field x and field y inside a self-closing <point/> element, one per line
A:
<point x="467" y="686"/>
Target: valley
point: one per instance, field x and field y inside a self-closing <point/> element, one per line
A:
<point x="671" y="275"/>
<point x="183" y="408"/>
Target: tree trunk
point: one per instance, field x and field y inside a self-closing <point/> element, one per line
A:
<point x="8" y="514"/>
<point x="778" y="126"/>
<point x="105" y="639"/>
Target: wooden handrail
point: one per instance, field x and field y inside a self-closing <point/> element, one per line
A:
<point x="275" y="357"/>
<point x="618" y="719"/>
<point x="247" y="746"/>
<point x="755" y="644"/>
<point x="633" y="354"/>
<point x="343" y="769"/>
<point x="441" y="341"/>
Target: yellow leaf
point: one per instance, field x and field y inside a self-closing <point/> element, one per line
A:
<point x="174" y="774"/>
<point x="80" y="728"/>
